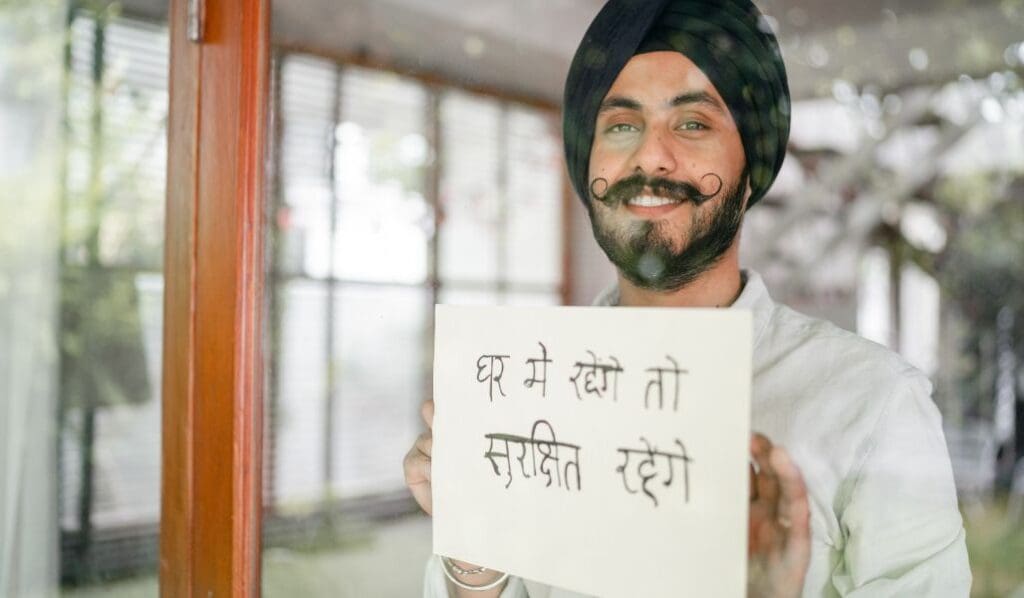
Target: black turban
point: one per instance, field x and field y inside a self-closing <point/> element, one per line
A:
<point x="729" y="40"/>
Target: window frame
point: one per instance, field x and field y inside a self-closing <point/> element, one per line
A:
<point x="210" y="525"/>
<point x="212" y="493"/>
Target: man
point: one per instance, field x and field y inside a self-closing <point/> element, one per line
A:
<point x="676" y="122"/>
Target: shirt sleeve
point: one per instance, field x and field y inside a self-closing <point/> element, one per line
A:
<point x="435" y="584"/>
<point x="903" y="532"/>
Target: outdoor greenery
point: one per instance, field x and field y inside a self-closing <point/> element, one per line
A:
<point x="995" y="542"/>
<point x="981" y="272"/>
<point x="981" y="267"/>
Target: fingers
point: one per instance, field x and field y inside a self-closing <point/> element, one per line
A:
<point x="425" y="444"/>
<point x="759" y="443"/>
<point x="766" y="484"/>
<point x="760" y="528"/>
<point x="794" y="523"/>
<point x="779" y="523"/>
<point x="417" y="468"/>
<point x="793" y="510"/>
<point x="417" y="461"/>
<point x="417" y="464"/>
<point x="427" y="413"/>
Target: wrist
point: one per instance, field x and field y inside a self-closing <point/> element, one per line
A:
<point x="467" y="568"/>
<point x="472" y="578"/>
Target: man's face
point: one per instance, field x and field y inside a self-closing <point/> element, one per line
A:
<point x="667" y="175"/>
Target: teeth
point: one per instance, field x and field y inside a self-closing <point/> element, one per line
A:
<point x="650" y="201"/>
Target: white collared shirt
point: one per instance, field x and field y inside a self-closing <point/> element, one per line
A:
<point x="860" y="423"/>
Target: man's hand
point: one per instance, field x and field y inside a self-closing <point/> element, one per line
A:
<point x="417" y="461"/>
<point x="779" y="546"/>
<point x="417" y="478"/>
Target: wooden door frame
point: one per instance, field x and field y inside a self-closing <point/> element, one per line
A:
<point x="211" y="503"/>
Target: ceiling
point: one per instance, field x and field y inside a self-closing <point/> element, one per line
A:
<point x="524" y="46"/>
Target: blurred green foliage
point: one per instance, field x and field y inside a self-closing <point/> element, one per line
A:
<point x="101" y="339"/>
<point x="981" y="270"/>
<point x="111" y="226"/>
<point x="981" y="267"/>
<point x="995" y="543"/>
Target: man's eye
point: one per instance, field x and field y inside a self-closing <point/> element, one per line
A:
<point x="693" y="125"/>
<point x="622" y="128"/>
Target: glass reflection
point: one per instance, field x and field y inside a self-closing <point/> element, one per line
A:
<point x="407" y="171"/>
<point x="392" y="192"/>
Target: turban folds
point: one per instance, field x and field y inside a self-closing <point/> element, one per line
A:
<point x="729" y="40"/>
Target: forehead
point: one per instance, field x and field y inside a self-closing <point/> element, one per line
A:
<point x="656" y="77"/>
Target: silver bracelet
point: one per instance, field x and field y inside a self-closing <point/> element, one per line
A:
<point x="456" y="568"/>
<point x="445" y="561"/>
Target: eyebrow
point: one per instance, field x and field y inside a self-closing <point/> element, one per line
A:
<point x="690" y="97"/>
<point x="619" y="102"/>
<point x="697" y="97"/>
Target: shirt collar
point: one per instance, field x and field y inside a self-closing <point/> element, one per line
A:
<point x="754" y="297"/>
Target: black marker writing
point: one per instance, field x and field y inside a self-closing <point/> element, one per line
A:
<point x="494" y="365"/>
<point x="657" y="385"/>
<point x="645" y="469"/>
<point x="588" y="372"/>
<point x="542" y="441"/>
<point x="543" y="379"/>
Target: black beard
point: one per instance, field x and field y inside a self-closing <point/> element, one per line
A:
<point x="647" y="258"/>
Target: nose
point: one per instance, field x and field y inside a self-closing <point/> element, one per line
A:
<point x="654" y="157"/>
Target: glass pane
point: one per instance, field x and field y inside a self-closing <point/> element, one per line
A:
<point x="345" y="406"/>
<point x="127" y="466"/>
<point x="343" y="412"/>
<point x="439" y="185"/>
<point x="383" y="220"/>
<point x="299" y="376"/>
<point x="535" y="198"/>
<point x="349" y="299"/>
<point x="82" y="184"/>
<point x="117" y="149"/>
<point x="135" y="139"/>
<point x="380" y="385"/>
<point x="464" y="296"/>
<point x="457" y="296"/>
<point x="531" y="299"/>
<point x="307" y="95"/>
<point x="471" y="188"/>
<point x="112" y="297"/>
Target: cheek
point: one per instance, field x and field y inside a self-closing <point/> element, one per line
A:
<point x="731" y="151"/>
<point x="598" y="167"/>
<point x="607" y="160"/>
<point x="719" y="158"/>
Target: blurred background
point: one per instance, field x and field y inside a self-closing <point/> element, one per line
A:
<point x="416" y="159"/>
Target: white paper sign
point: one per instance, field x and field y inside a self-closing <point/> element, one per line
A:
<point x="601" y="450"/>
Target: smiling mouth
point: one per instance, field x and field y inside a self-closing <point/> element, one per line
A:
<point x="652" y="201"/>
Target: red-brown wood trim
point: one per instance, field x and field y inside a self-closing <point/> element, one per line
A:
<point x="177" y="505"/>
<point x="254" y="128"/>
<point x="212" y="461"/>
